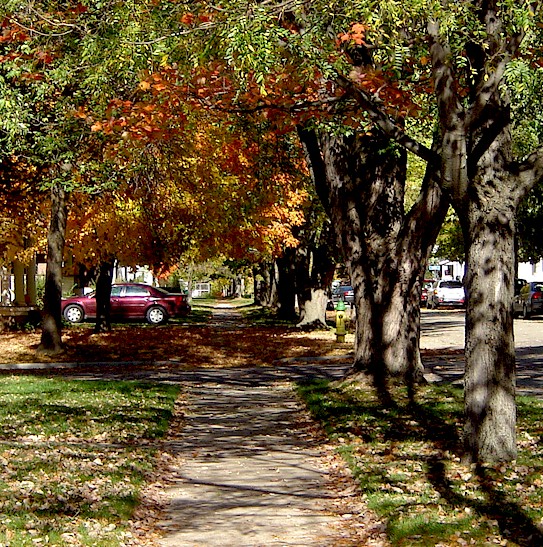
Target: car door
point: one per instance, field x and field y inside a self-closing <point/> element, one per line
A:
<point x="115" y="301"/>
<point x="134" y="301"/>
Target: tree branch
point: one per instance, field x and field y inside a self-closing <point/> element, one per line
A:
<point x="529" y="172"/>
<point x="377" y="115"/>
<point x="315" y="162"/>
<point x="448" y="103"/>
<point x="491" y="59"/>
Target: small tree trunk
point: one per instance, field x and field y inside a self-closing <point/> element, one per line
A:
<point x="286" y="287"/>
<point x="84" y="276"/>
<point x="190" y="282"/>
<point x="268" y="289"/>
<point x="51" y="336"/>
<point x="103" y="297"/>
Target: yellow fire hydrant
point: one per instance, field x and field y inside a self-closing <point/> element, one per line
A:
<point x="341" y="330"/>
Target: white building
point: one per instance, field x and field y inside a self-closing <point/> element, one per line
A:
<point x="444" y="269"/>
<point x="531" y="272"/>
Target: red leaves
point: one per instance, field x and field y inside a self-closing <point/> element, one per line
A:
<point x="78" y="9"/>
<point x="356" y="34"/>
<point x="12" y="33"/>
<point x="187" y="19"/>
<point x="377" y="83"/>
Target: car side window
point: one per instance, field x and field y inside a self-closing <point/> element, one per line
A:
<point x="116" y="291"/>
<point x="136" y="291"/>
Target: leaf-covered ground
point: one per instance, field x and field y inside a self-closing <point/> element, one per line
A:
<point x="405" y="458"/>
<point x="183" y="345"/>
<point x="74" y="458"/>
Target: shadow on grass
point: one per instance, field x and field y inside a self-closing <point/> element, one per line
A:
<point x="390" y="449"/>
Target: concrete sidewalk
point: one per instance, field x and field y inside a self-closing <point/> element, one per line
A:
<point x="252" y="470"/>
<point x="251" y="473"/>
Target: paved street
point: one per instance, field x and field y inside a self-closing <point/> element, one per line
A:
<point x="444" y="330"/>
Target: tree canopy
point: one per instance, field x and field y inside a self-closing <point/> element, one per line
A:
<point x="80" y="76"/>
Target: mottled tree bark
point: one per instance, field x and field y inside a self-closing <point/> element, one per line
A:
<point x="266" y="289"/>
<point x="286" y="286"/>
<point x="485" y="187"/>
<point x="51" y="336"/>
<point x="488" y="221"/>
<point x="361" y="182"/>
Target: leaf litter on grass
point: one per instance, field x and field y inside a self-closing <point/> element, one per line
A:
<point x="406" y="461"/>
<point x="189" y="346"/>
<point x="73" y="462"/>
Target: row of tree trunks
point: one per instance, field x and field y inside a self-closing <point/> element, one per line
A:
<point x="266" y="293"/>
<point x="297" y="284"/>
<point x="315" y="266"/>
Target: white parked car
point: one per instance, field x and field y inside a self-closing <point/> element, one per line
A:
<point x="446" y="293"/>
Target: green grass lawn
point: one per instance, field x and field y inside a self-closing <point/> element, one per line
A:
<point x="405" y="459"/>
<point x="74" y="456"/>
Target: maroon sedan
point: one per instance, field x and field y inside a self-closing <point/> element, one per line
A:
<point x="129" y="301"/>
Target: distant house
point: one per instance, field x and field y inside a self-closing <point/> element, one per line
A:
<point x="531" y="272"/>
<point x="201" y="289"/>
<point x="446" y="269"/>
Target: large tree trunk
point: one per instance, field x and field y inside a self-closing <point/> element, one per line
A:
<point x="488" y="220"/>
<point x="361" y="181"/>
<point x="490" y="350"/>
<point x="485" y="189"/>
<point x="51" y="336"/>
<point x="315" y="265"/>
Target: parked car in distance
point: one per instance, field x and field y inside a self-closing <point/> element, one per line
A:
<point x="426" y="286"/>
<point x="529" y="300"/>
<point x="135" y="301"/>
<point x="446" y="293"/>
<point x="343" y="293"/>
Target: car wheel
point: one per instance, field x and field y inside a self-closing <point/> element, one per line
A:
<point x="156" y="315"/>
<point x="74" y="313"/>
